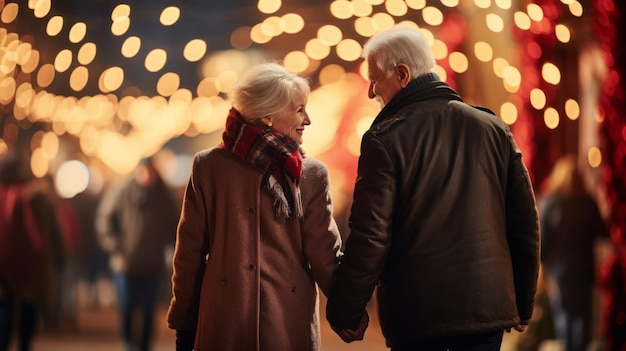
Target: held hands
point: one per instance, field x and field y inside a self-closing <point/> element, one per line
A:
<point x="520" y="328"/>
<point x="349" y="335"/>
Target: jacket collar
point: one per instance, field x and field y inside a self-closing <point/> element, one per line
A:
<point x="423" y="88"/>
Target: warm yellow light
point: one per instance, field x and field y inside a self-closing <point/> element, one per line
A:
<point x="483" y="51"/>
<point x="79" y="78"/>
<point x="120" y="11"/>
<point x="535" y="12"/>
<point x="349" y="50"/>
<point x="331" y="73"/>
<point x="71" y="179"/>
<point x="361" y="8"/>
<point x="155" y="60"/>
<point x="207" y="88"/>
<point x="274" y="25"/>
<point x="39" y="163"/>
<point x="450" y="3"/>
<point x="499" y="64"/>
<point x="296" y="61"/>
<point x="195" y="50"/>
<point x="169" y="15"/>
<point x="441" y="72"/>
<point x="432" y="15"/>
<point x="504" y="4"/>
<point x="111" y="79"/>
<point x="42" y="8"/>
<point x="50" y="144"/>
<point x="7" y="89"/>
<point x="341" y="9"/>
<point x="131" y="46"/>
<point x="551" y="118"/>
<point x="22" y="53"/>
<point x="54" y="26"/>
<point x="495" y="23"/>
<point x="45" y="75"/>
<point x="24" y="95"/>
<point x="576" y="8"/>
<point x="439" y="49"/>
<point x="537" y="99"/>
<point x="594" y="157"/>
<point x="77" y="32"/>
<point x="86" y="53"/>
<point x="365" y="26"/>
<point x="382" y="21"/>
<point x="31" y="63"/>
<point x="483" y="4"/>
<point x="226" y="80"/>
<point x="458" y="62"/>
<point x="572" y="109"/>
<point x="269" y="6"/>
<point x="416" y="4"/>
<point x="562" y="33"/>
<point x="120" y="26"/>
<point x="329" y="35"/>
<point x="63" y="60"/>
<point x="512" y="76"/>
<point x="168" y="84"/>
<point x="316" y="50"/>
<point x="9" y="12"/>
<point x="396" y="8"/>
<point x="258" y="36"/>
<point x="291" y="23"/>
<point x="551" y="73"/>
<point x="522" y="21"/>
<point x="508" y="113"/>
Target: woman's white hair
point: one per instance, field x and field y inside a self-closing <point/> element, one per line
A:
<point x="266" y="91"/>
<point x="400" y="44"/>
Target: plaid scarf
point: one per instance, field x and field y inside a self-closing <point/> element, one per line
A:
<point x="277" y="156"/>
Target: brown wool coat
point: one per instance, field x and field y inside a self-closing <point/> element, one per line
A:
<point x="244" y="279"/>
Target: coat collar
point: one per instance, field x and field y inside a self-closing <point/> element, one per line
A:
<point x="423" y="88"/>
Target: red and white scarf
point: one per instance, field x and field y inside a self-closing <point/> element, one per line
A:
<point x="276" y="155"/>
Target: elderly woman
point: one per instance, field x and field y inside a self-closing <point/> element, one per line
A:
<point x="256" y="232"/>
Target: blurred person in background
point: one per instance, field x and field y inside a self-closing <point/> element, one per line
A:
<point x="135" y="225"/>
<point x="571" y="224"/>
<point x="256" y="230"/>
<point x="444" y="223"/>
<point x="32" y="251"/>
<point x="90" y="258"/>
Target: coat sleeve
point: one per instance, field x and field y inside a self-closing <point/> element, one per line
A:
<point x="320" y="235"/>
<point x="369" y="241"/>
<point x="190" y="253"/>
<point x="522" y="233"/>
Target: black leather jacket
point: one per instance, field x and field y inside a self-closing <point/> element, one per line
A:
<point x="444" y="221"/>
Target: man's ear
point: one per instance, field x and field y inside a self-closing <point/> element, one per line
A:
<point x="404" y="73"/>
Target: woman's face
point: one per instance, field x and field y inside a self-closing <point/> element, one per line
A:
<point x="291" y="122"/>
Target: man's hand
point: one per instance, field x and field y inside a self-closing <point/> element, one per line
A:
<point x="349" y="335"/>
<point x="520" y="328"/>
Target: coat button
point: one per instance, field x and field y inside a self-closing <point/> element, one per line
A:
<point x="251" y="210"/>
<point x="251" y="266"/>
<point x="294" y="289"/>
<point x="222" y="282"/>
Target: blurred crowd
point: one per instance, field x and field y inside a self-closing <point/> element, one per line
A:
<point x="113" y="250"/>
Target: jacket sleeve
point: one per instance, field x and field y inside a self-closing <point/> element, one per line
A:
<point x="522" y="232"/>
<point x="368" y="243"/>
<point x="190" y="253"/>
<point x="320" y="235"/>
